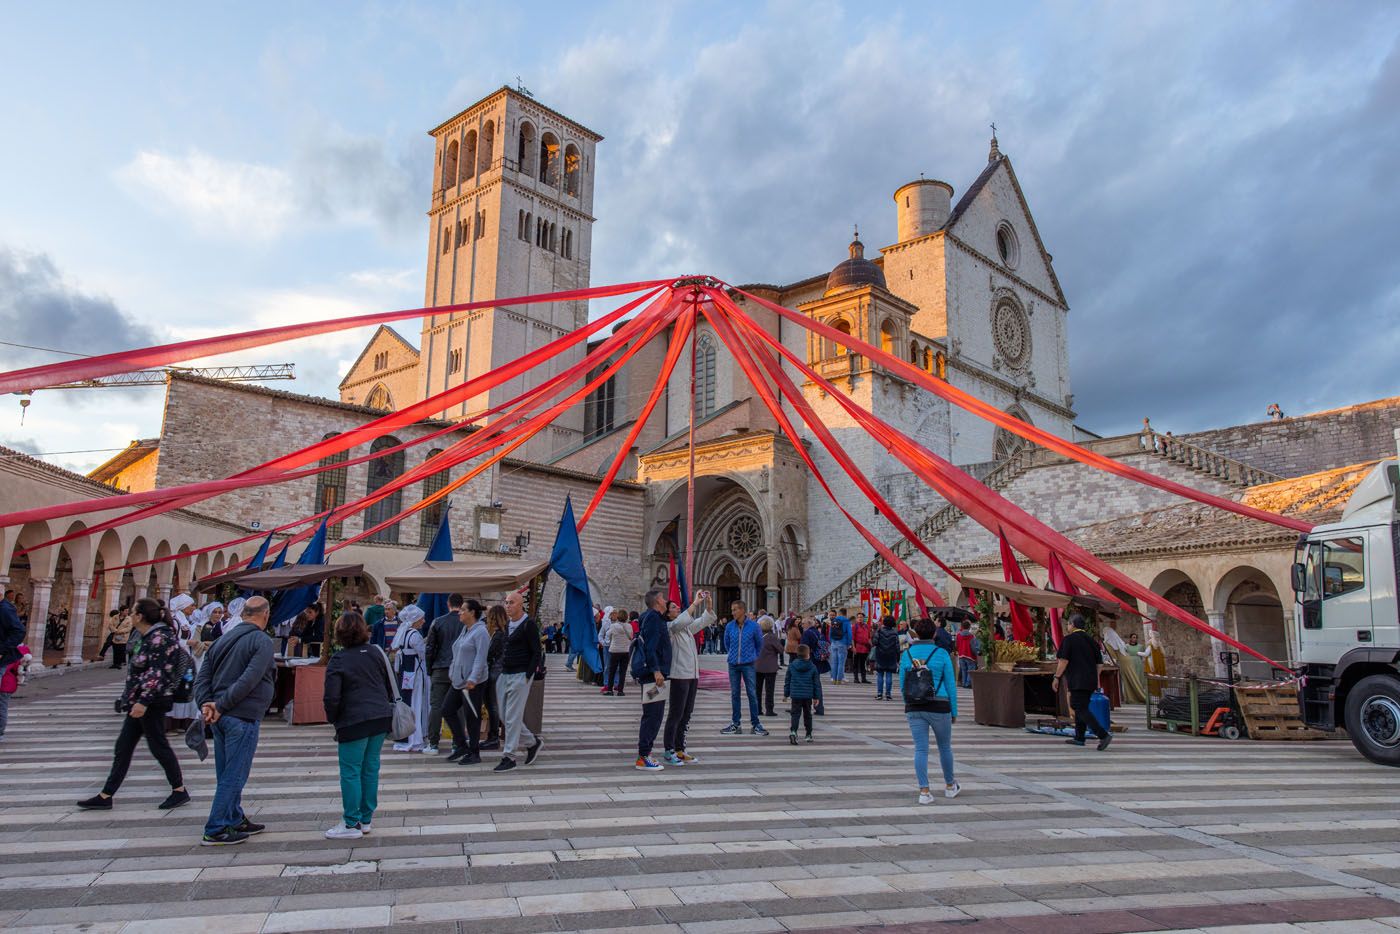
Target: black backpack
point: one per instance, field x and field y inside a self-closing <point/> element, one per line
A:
<point x="182" y="677"/>
<point x="919" y="689"/>
<point x="886" y="647"/>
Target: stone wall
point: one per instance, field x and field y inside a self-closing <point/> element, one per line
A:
<point x="1310" y="443"/>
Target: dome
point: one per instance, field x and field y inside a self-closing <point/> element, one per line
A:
<point x="855" y="272"/>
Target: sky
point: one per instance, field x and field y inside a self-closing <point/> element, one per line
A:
<point x="1218" y="183"/>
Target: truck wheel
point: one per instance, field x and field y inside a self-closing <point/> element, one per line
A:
<point x="1373" y="718"/>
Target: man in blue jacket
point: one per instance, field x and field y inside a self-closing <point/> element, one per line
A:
<point x="841" y="634"/>
<point x="651" y="666"/>
<point x="743" y="640"/>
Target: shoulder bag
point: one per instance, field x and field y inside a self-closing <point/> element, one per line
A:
<point x="404" y="721"/>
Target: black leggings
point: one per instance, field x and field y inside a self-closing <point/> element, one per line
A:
<point x="803" y="709"/>
<point x="462" y="711"/>
<point x="858" y="666"/>
<point x="617" y="671"/>
<point x="681" y="706"/>
<point x="493" y="711"/>
<point x="152" y="726"/>
<point x="767" y="680"/>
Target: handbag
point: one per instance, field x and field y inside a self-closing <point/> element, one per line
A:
<point x="919" y="689"/>
<point x="404" y="722"/>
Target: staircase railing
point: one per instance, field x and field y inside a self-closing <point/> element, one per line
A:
<point x="1202" y="460"/>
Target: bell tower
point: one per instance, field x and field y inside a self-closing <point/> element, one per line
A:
<point x="511" y="214"/>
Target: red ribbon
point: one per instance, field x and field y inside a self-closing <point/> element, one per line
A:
<point x="1022" y="628"/>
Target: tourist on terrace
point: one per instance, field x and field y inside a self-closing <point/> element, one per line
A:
<point x="685" y="674"/>
<point x="652" y="667"/>
<point x="935" y="711"/>
<point x="770" y="659"/>
<point x="743" y="640"/>
<point x="442" y="634"/>
<point x="860" y="649"/>
<point x="520" y="664"/>
<point x="619" y="643"/>
<point x="359" y="703"/>
<point x="792" y="638"/>
<point x="886" y="652"/>
<point x="151" y="679"/>
<point x="469" y="677"/>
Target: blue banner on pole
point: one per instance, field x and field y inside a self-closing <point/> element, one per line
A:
<point x="566" y="560"/>
<point x="287" y="604"/>
<point x="434" y="605"/>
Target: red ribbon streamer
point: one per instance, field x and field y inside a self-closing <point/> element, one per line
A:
<point x="124" y="361"/>
<point x="1022" y="628"/>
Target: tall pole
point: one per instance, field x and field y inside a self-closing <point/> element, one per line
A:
<point x="690" y="484"/>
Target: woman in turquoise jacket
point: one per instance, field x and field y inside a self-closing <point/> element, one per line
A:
<point x="926" y="717"/>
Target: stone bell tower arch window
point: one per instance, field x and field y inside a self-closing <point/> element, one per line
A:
<point x="705" y="378"/>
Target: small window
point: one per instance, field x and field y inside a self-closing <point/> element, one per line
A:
<point x="446" y="239"/>
<point x="1343" y="566"/>
<point x="1007" y="247"/>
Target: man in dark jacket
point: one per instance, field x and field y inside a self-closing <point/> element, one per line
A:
<point x="233" y="690"/>
<point x="441" y="634"/>
<point x="652" y="664"/>
<point x="519" y="663"/>
<point x="11" y="631"/>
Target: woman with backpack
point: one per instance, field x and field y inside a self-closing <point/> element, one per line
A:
<point x="886" y="648"/>
<point x="929" y="686"/>
<point x="155" y="680"/>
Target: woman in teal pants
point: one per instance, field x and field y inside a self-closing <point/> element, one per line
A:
<point x="359" y="703"/>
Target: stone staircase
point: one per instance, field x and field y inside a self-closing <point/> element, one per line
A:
<point x="1198" y="459"/>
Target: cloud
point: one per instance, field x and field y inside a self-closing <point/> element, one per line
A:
<point x="37" y="307"/>
<point x="333" y="179"/>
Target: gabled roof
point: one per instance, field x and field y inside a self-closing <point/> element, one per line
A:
<point x="975" y="189"/>
<point x="383" y="329"/>
<point x="135" y="451"/>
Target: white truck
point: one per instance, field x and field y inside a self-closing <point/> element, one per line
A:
<point x="1345" y="580"/>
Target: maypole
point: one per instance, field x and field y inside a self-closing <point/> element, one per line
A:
<point x="690" y="481"/>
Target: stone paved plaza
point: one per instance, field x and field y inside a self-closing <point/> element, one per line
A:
<point x="1160" y="833"/>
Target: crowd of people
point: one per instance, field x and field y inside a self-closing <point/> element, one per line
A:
<point x="396" y="676"/>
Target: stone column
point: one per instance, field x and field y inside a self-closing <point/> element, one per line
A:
<point x="1217" y="620"/>
<point x="112" y="598"/>
<point x="773" y="591"/>
<point x="77" y="622"/>
<point x="163" y="593"/>
<point x="38" y="616"/>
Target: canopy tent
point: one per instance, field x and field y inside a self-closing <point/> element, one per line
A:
<point x="1027" y="595"/>
<point x="213" y="582"/>
<point x="298" y="575"/>
<point x="473" y="574"/>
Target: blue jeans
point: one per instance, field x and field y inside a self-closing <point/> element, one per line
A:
<point x="838" y="661"/>
<point x="884" y="682"/>
<point x="965" y="666"/>
<point x="920" y="722"/>
<point x="359" y="778"/>
<point x="235" y="741"/>
<point x="743" y="673"/>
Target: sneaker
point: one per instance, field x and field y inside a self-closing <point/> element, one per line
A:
<point x="1103" y="743"/>
<point x="96" y="803"/>
<point x="248" y="827"/>
<point x="226" y="837"/>
<point x="490" y="744"/>
<point x="1074" y="742"/>
<point x="951" y="791"/>
<point x="505" y="765"/>
<point x="341" y="832"/>
<point x="606" y="692"/>
<point x="731" y="730"/>
<point x="456" y="754"/>
<point x="671" y="758"/>
<point x="648" y="764"/>
<point x="402" y="747"/>
<point x="365" y="828"/>
<point x="470" y="758"/>
<point x="792" y="738"/>
<point x="811" y="738"/>
<point x="429" y="750"/>
<point x="686" y="757"/>
<point x="925" y="797"/>
<point x="619" y="693"/>
<point x="533" y="752"/>
<point x="176" y="799"/>
<point x="758" y="731"/>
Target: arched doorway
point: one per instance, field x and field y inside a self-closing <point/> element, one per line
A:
<point x="727" y="589"/>
<point x="1253" y="613"/>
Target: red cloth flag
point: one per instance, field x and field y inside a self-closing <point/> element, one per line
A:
<point x="1022" y="628"/>
<point x="1059" y="580"/>
<point x="673" y="592"/>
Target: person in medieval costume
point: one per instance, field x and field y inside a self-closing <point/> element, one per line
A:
<point x="409" y="651"/>
<point x="182" y="621"/>
<point x="1129" y="662"/>
<point x="1153" y="655"/>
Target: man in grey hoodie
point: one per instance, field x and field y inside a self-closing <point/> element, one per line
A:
<point x="468" y="673"/>
<point x="685" y="674"/>
<point x="233" y="689"/>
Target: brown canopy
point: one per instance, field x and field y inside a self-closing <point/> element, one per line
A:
<point x="213" y="582"/>
<point x="471" y="574"/>
<point x="1023" y="594"/>
<point x="297" y="575"/>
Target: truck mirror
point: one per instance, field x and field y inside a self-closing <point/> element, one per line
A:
<point x="1299" y="578"/>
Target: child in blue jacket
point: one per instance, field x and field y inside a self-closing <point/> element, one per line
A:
<point x="802" y="686"/>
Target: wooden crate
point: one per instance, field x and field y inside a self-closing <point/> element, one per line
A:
<point x="1271" y="712"/>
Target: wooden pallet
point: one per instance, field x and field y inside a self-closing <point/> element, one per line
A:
<point x="1271" y="712"/>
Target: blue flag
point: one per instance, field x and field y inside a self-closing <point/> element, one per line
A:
<point x="566" y="560"/>
<point x="281" y="559"/>
<point x="288" y="603"/>
<point x="258" y="559"/>
<point x="434" y="605"/>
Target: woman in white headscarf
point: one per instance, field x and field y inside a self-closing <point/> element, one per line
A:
<point x="181" y="607"/>
<point x="408" y="650"/>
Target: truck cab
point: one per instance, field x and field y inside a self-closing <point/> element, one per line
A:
<point x="1345" y="580"/>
